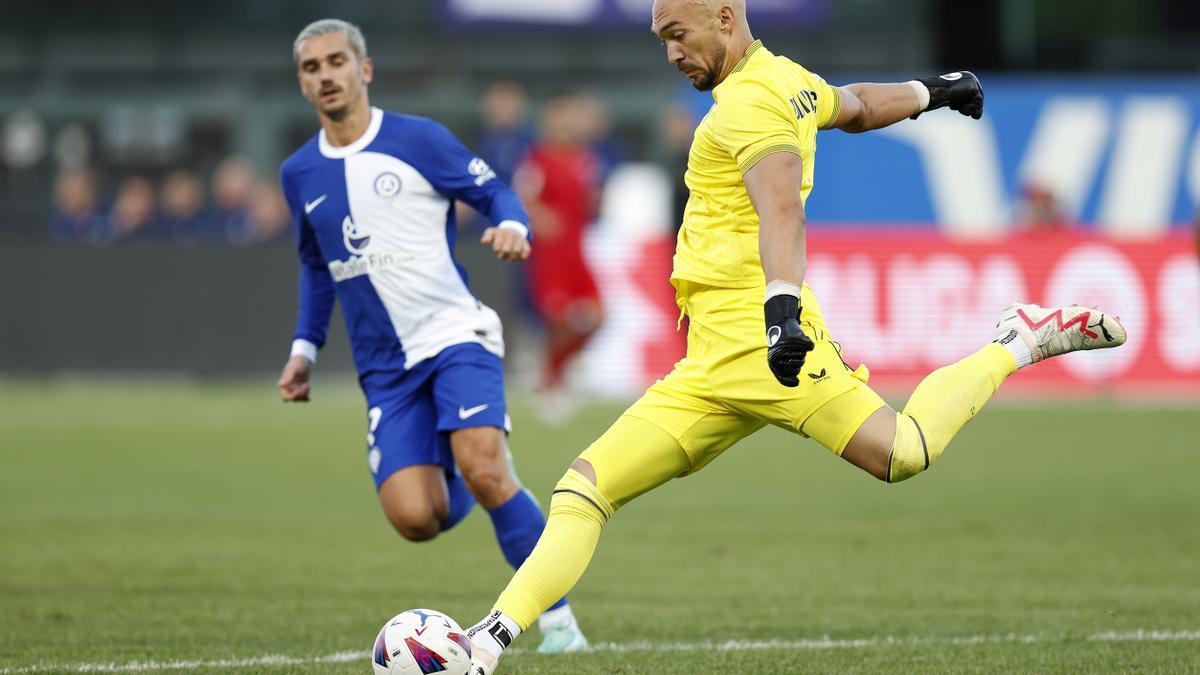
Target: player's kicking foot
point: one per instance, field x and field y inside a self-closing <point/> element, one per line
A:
<point x="482" y="662"/>
<point x="490" y="637"/>
<point x="557" y="639"/>
<point x="1055" y="331"/>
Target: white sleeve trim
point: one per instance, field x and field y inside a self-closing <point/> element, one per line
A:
<point x="515" y="226"/>
<point x="781" y="287"/>
<point x="921" y="91"/>
<point x="306" y="349"/>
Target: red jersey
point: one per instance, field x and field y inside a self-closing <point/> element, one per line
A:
<point x="562" y="185"/>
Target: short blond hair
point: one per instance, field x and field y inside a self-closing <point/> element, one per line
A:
<point x="358" y="44"/>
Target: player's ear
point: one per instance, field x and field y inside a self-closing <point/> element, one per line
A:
<point x="725" y="18"/>
<point x="368" y="70"/>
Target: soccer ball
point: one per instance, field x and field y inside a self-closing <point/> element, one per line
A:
<point x="421" y="641"/>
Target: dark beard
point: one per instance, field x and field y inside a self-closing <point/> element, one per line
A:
<point x="710" y="75"/>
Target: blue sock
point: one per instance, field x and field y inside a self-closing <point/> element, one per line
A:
<point x="461" y="500"/>
<point x="519" y="522"/>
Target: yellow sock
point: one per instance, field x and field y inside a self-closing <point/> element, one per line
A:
<point x="941" y="405"/>
<point x="577" y="513"/>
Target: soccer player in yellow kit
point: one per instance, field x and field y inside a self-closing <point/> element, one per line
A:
<point x="742" y="242"/>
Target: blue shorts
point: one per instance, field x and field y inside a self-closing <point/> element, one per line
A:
<point x="411" y="413"/>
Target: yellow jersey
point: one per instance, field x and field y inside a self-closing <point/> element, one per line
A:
<point x="768" y="104"/>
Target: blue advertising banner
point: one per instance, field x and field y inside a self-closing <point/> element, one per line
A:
<point x="1121" y="154"/>
<point x="612" y="14"/>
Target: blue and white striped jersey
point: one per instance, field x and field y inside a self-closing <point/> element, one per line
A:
<point x="376" y="229"/>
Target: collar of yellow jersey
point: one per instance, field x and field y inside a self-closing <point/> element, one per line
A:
<point x="754" y="48"/>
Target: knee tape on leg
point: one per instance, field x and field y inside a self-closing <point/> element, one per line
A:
<point x="910" y="454"/>
<point x="577" y="495"/>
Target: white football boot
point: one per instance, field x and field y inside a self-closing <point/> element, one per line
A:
<point x="1053" y="332"/>
<point x="482" y="662"/>
<point x="485" y="644"/>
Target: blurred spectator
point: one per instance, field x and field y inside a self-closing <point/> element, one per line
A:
<point x="559" y="183"/>
<point x="77" y="215"/>
<point x="269" y="215"/>
<point x="676" y="127"/>
<point x="506" y="136"/>
<point x="184" y="218"/>
<point x="597" y="132"/>
<point x="1039" y="210"/>
<point x="1196" y="230"/>
<point x="233" y="184"/>
<point x="134" y="209"/>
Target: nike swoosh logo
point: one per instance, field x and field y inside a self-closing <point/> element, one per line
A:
<point x="309" y="206"/>
<point x="464" y="413"/>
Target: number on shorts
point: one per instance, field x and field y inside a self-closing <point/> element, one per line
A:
<point x="374" y="415"/>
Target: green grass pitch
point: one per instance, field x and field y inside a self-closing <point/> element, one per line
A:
<point x="201" y="528"/>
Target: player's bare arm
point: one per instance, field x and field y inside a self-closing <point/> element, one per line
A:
<point x="869" y="105"/>
<point x="774" y="188"/>
<point x="294" y="380"/>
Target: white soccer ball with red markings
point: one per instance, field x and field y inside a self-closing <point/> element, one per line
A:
<point x="421" y="641"/>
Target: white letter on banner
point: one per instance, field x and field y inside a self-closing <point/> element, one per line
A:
<point x="962" y="166"/>
<point x="908" y="311"/>
<point x="850" y="302"/>
<point x="1101" y="276"/>
<point x="1178" y="301"/>
<point x="1143" y="176"/>
<point x="1065" y="152"/>
<point x="947" y="307"/>
<point x="1001" y="283"/>
<point x="958" y="302"/>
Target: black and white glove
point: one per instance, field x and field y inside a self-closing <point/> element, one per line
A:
<point x="787" y="345"/>
<point x="958" y="91"/>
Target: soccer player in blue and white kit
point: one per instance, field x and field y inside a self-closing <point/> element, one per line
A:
<point x="372" y="197"/>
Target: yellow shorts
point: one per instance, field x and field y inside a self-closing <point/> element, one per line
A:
<point x="723" y="391"/>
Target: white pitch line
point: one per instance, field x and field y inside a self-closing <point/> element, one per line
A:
<point x="1140" y="635"/>
<point x="140" y="666"/>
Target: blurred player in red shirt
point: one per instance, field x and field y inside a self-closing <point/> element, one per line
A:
<point x="559" y="181"/>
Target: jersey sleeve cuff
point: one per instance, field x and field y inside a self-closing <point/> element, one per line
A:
<point x="515" y="226"/>
<point x="837" y="108"/>
<point x="306" y="349"/>
<point x="766" y="152"/>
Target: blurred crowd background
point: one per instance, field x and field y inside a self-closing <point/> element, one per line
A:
<point x="167" y="121"/>
<point x="161" y="125"/>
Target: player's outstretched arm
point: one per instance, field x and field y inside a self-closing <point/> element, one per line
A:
<point x="869" y="105"/>
<point x="774" y="188"/>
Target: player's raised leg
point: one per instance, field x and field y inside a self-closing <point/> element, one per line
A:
<point x="895" y="446"/>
